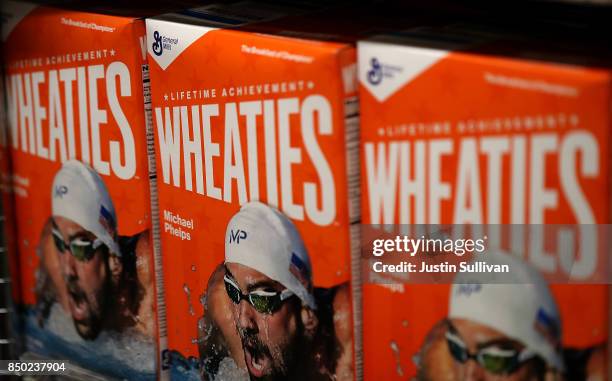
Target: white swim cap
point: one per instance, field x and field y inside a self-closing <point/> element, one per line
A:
<point x="519" y="304"/>
<point x="262" y="238"/>
<point x="79" y="194"/>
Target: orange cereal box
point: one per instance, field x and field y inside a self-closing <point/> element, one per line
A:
<point x="255" y="137"/>
<point x="78" y="143"/>
<point x="463" y="128"/>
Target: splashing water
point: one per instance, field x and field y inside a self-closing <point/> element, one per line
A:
<point x="229" y="371"/>
<point x="187" y="370"/>
<point x="127" y="355"/>
<point x="396" y="354"/>
<point x="188" y="292"/>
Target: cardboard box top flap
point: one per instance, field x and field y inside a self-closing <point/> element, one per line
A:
<point x="13" y="13"/>
<point x="563" y="50"/>
<point x="168" y="38"/>
<point x="328" y="27"/>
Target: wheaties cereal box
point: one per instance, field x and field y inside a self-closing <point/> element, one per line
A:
<point x="514" y="146"/>
<point x="256" y="138"/>
<point x="78" y="144"/>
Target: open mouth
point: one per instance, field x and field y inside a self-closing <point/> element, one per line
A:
<point x="78" y="304"/>
<point x="257" y="361"/>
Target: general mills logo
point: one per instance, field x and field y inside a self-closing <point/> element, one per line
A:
<point x="237" y="235"/>
<point x="158" y="48"/>
<point x="60" y="191"/>
<point x="379" y="70"/>
<point x="162" y="43"/>
<point x="375" y="74"/>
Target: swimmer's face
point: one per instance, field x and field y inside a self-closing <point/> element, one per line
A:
<point x="474" y="337"/>
<point x="86" y="274"/>
<point x="270" y="340"/>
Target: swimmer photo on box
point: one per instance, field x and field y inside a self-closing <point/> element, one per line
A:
<point x="263" y="311"/>
<point x="508" y="328"/>
<point x="104" y="281"/>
